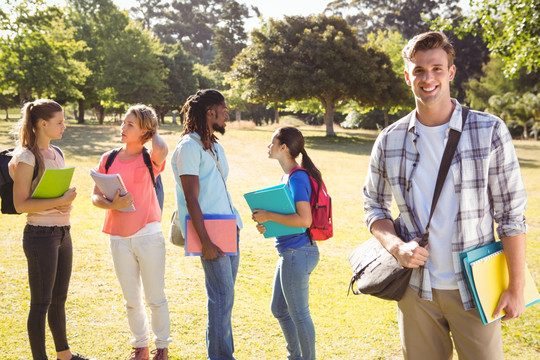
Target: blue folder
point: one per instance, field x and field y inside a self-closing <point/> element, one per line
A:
<point x="483" y="253"/>
<point x="277" y="199"/>
<point x="466" y="258"/>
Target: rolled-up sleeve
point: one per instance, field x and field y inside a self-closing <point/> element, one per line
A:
<point x="506" y="185"/>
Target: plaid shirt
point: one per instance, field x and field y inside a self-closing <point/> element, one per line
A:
<point x="487" y="181"/>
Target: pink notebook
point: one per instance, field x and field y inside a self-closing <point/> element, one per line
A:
<point x="222" y="232"/>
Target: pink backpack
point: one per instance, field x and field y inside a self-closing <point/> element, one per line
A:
<point x="321" y="209"/>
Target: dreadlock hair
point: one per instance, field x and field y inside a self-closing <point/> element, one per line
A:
<point x="26" y="128"/>
<point x="194" y="111"/>
<point x="293" y="138"/>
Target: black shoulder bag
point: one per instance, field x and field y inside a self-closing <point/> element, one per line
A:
<point x="376" y="272"/>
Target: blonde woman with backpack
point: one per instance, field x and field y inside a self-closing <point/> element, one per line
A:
<point x="136" y="239"/>
<point x="298" y="254"/>
<point x="46" y="238"/>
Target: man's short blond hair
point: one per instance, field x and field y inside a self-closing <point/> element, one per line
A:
<point x="428" y="41"/>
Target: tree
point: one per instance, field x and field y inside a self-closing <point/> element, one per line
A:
<point x="147" y="11"/>
<point x="392" y="43"/>
<point x="97" y="22"/>
<point x="493" y="82"/>
<point x="37" y="52"/>
<point x="192" y="23"/>
<point x="409" y="17"/>
<point x="179" y="83"/>
<point x="132" y="66"/>
<point x="313" y="57"/>
<point x="511" y="30"/>
<point x="230" y="37"/>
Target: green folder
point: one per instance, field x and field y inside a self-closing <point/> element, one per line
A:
<point x="276" y="199"/>
<point x="54" y="183"/>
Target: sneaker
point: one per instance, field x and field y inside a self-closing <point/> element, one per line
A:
<point x="78" y="357"/>
<point x="160" y="354"/>
<point x="139" y="354"/>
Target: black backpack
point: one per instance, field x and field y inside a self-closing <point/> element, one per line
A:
<point x="158" y="185"/>
<point x="6" y="182"/>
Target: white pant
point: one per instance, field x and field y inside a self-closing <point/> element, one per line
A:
<point x="139" y="262"/>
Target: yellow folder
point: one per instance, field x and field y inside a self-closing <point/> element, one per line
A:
<point x="491" y="280"/>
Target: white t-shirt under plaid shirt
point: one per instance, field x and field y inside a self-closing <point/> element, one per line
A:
<point x="487" y="182"/>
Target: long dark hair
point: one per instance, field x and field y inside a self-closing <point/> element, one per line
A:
<point x="293" y="138"/>
<point x="26" y="128"/>
<point x="195" y="110"/>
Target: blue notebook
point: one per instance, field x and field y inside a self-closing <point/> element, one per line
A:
<point x="486" y="274"/>
<point x="276" y="199"/>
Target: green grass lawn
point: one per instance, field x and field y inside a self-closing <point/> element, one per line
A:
<point x="348" y="327"/>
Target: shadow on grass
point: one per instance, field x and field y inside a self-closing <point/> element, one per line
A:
<point x="354" y="144"/>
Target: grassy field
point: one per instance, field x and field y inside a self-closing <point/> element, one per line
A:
<point x="348" y="327"/>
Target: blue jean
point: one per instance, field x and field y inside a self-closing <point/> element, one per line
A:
<point x="220" y="277"/>
<point x="290" y="300"/>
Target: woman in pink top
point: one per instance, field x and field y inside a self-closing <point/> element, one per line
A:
<point x="46" y="238"/>
<point x="136" y="240"/>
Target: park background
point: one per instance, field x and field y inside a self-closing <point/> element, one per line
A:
<point x="336" y="75"/>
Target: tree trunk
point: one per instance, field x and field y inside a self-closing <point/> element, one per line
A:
<point x="7" y="113"/>
<point x="386" y="118"/>
<point x="80" y="115"/>
<point x="525" y="135"/>
<point x="174" y="118"/>
<point x="100" y="114"/>
<point x="238" y="114"/>
<point x="329" y="108"/>
<point x="276" y="114"/>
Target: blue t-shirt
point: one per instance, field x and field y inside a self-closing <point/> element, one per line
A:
<point x="301" y="191"/>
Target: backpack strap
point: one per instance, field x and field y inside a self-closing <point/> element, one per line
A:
<point x="148" y="163"/>
<point x="299" y="168"/>
<point x="111" y="158"/>
<point x="146" y="159"/>
<point x="58" y="149"/>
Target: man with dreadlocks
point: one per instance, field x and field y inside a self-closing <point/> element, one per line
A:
<point x="200" y="171"/>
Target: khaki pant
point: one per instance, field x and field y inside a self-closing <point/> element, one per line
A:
<point x="425" y="328"/>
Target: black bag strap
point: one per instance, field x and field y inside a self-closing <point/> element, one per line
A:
<point x="146" y="159"/>
<point x="148" y="162"/>
<point x="449" y="150"/>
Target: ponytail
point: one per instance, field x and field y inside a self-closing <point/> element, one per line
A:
<point x="26" y="128"/>
<point x="293" y="138"/>
<point x="310" y="167"/>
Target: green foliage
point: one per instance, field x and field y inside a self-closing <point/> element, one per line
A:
<point x="230" y="36"/>
<point x="404" y="16"/>
<point x="493" y="82"/>
<point x="37" y="52"/>
<point x="510" y="28"/>
<point x="132" y="67"/>
<point x="179" y="83"/>
<point x="316" y="57"/>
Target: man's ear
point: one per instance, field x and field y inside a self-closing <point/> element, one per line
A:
<point x="452" y="72"/>
<point x="406" y="76"/>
